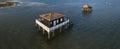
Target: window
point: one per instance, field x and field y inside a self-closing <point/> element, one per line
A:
<point x="54" y="23"/>
<point x="61" y="19"/>
<point x="50" y="22"/>
<point x="57" y="21"/>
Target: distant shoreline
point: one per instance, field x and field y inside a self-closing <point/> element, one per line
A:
<point x="8" y="4"/>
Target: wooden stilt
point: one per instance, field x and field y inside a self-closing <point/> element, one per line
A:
<point x="67" y="25"/>
<point x="48" y="35"/>
<point x="60" y="29"/>
<point x="36" y="24"/>
<point x="43" y="31"/>
<point x="39" y="27"/>
<point x="53" y="34"/>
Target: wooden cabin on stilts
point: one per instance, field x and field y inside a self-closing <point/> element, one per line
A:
<point x="86" y="8"/>
<point x="52" y="21"/>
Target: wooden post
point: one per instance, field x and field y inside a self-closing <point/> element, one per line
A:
<point x="60" y="29"/>
<point x="36" y="24"/>
<point x="48" y="35"/>
<point x="53" y="33"/>
<point x="43" y="31"/>
<point x="67" y="25"/>
<point x="39" y="27"/>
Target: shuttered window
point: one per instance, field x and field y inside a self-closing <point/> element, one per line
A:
<point x="54" y="22"/>
<point x="61" y="19"/>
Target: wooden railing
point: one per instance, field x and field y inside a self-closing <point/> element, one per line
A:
<point x="42" y="25"/>
<point x="38" y="21"/>
<point x="59" y="25"/>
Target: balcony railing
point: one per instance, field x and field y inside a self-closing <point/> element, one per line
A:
<point x="38" y="21"/>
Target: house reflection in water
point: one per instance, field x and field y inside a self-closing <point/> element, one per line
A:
<point x="86" y="13"/>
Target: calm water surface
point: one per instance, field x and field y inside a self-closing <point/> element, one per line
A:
<point x="98" y="30"/>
